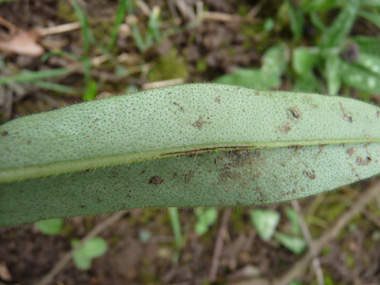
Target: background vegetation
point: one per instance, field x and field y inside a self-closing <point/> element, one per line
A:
<point x="55" y="53"/>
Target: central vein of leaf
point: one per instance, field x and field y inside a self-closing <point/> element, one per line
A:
<point x="63" y="167"/>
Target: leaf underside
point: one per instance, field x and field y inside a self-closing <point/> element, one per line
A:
<point x="183" y="146"/>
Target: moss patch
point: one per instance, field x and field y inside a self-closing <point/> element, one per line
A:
<point x="169" y="67"/>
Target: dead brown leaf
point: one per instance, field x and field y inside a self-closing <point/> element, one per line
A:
<point x="22" y="42"/>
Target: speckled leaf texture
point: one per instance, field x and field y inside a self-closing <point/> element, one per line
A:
<point x="183" y="146"/>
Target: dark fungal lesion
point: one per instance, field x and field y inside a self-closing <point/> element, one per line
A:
<point x="206" y="150"/>
<point x="294" y="113"/>
<point x="363" y="161"/>
<point x="346" y="117"/>
<point x="156" y="180"/>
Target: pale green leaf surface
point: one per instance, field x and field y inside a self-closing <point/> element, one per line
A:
<point x="360" y="78"/>
<point x="294" y="220"/>
<point x="369" y="62"/>
<point x="82" y="262"/>
<point x="265" y="222"/>
<point x="183" y="146"/>
<point x="294" y="244"/>
<point x="333" y="64"/>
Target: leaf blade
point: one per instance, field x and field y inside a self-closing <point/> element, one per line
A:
<point x="165" y="148"/>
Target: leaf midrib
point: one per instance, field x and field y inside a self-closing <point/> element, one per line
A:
<point x="58" y="168"/>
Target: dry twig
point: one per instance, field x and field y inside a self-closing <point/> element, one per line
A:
<point x="299" y="267"/>
<point x="219" y="244"/>
<point x="307" y="236"/>
<point x="47" y="279"/>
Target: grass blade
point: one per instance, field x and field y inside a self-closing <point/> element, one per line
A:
<point x="87" y="35"/>
<point x="340" y="29"/>
<point x="372" y="17"/>
<point x="296" y="21"/>
<point x="121" y="12"/>
<point x="55" y="87"/>
<point x="32" y="76"/>
<point x="333" y="64"/>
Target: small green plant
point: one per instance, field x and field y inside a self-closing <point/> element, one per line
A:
<point x="82" y="257"/>
<point x="93" y="248"/>
<point x="50" y="227"/>
<point x="206" y="217"/>
<point x="341" y="59"/>
<point x="265" y="223"/>
<point x="190" y="145"/>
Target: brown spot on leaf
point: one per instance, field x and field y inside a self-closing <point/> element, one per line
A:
<point x="156" y="180"/>
<point x="180" y="107"/>
<point x="294" y="113"/>
<point x="285" y="128"/>
<point x="229" y="175"/>
<point x="346" y="117"/>
<point x="350" y="151"/>
<point x="217" y="100"/>
<point x="310" y="174"/>
<point x="363" y="161"/>
<point x="378" y="114"/>
<point x="234" y="160"/>
<point x="4" y="133"/>
<point x="199" y="123"/>
<point x="189" y="176"/>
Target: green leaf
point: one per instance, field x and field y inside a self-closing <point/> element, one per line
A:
<point x="176" y="226"/>
<point x="81" y="261"/>
<point x="362" y="79"/>
<point x="265" y="222"/>
<point x="294" y="220"/>
<point x="332" y="73"/>
<point x="371" y="17"/>
<point x="304" y="60"/>
<point x="250" y="78"/>
<point x="369" y="62"/>
<point x="206" y="217"/>
<point x="93" y="248"/>
<point x="55" y="87"/>
<point x="32" y="76"/>
<point x="340" y="29"/>
<point x="86" y="32"/>
<point x="269" y="76"/>
<point x="121" y="12"/>
<point x="296" y="20"/>
<point x="294" y="244"/>
<point x="190" y="145"/>
<point x="317" y="5"/>
<point x="368" y="44"/>
<point x="308" y="83"/>
<point x="317" y="22"/>
<point x="370" y="3"/>
<point x="91" y="90"/>
<point x="50" y="227"/>
<point x="275" y="61"/>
